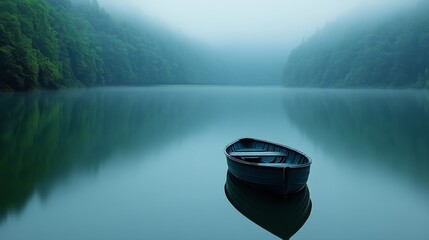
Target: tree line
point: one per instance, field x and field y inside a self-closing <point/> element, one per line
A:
<point x="58" y="43"/>
<point x="389" y="51"/>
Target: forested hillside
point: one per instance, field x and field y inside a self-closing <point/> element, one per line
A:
<point x="57" y="43"/>
<point x="365" y="51"/>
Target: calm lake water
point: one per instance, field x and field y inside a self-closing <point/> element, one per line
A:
<point x="148" y="163"/>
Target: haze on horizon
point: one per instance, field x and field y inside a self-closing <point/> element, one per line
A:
<point x="249" y="40"/>
<point x="248" y="22"/>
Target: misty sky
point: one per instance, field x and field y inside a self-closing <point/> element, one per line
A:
<point x="269" y="22"/>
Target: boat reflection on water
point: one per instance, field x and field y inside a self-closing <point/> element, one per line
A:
<point x="281" y="217"/>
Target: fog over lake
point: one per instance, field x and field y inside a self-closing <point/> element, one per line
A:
<point x="250" y="39"/>
<point x="115" y="116"/>
<point x="246" y="22"/>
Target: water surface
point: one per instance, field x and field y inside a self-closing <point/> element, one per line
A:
<point x="148" y="163"/>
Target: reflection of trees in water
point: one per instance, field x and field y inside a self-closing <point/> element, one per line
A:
<point x="45" y="136"/>
<point x="385" y="128"/>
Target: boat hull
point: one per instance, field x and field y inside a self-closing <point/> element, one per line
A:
<point x="281" y="179"/>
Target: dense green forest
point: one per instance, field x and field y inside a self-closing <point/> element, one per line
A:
<point x="368" y="50"/>
<point x="59" y="43"/>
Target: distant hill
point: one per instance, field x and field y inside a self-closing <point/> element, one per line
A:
<point x="388" y="51"/>
<point x="59" y="43"/>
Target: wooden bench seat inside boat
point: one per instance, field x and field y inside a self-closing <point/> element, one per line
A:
<point x="258" y="154"/>
<point x="250" y="150"/>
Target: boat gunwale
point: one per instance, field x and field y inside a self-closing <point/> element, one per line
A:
<point x="265" y="165"/>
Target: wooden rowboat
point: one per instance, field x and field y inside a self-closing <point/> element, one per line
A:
<point x="268" y="166"/>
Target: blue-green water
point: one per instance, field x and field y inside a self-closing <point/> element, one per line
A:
<point x="148" y="163"/>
